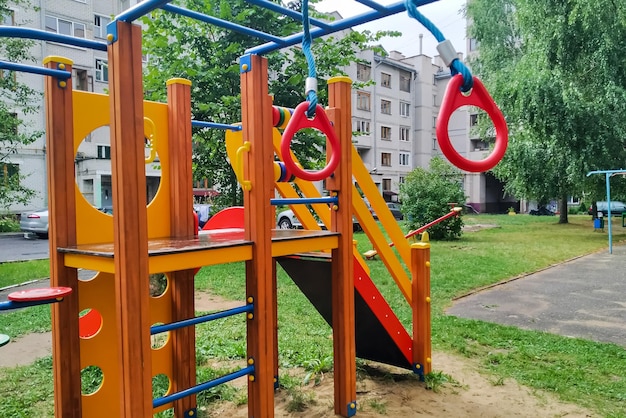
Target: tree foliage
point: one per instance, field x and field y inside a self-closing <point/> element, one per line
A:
<point x="18" y="100"/>
<point x="208" y="55"/>
<point x="551" y="66"/>
<point x="426" y="195"/>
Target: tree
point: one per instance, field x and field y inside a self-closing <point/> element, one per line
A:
<point x="208" y="55"/>
<point x="426" y="195"/>
<point x="550" y="65"/>
<point x="18" y="100"/>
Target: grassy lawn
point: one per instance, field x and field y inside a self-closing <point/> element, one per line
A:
<point x="590" y="374"/>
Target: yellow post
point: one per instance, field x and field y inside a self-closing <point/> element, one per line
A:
<point x="420" y="268"/>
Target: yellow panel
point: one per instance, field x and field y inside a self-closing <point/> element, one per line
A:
<point x="101" y="349"/>
<point x="90" y="262"/>
<point x="194" y="259"/>
<point x="282" y="248"/>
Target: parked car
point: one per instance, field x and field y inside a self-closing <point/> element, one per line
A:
<point x="288" y="220"/>
<point x="541" y="211"/>
<point x="35" y="222"/>
<point x="394" y="207"/>
<point x="617" y="208"/>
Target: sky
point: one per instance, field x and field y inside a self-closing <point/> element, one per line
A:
<point x="445" y="14"/>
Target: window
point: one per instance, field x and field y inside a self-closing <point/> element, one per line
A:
<point x="402" y="180"/>
<point x="363" y="101"/>
<point x="385" y="80"/>
<point x="385" y="159"/>
<point x="385" y="107"/>
<point x="104" y="152"/>
<point x="363" y="126"/>
<point x="9" y="171"/>
<point x="405" y="108"/>
<point x="434" y="100"/>
<point x="404" y="133"/>
<point x="405" y="159"/>
<point x="434" y="144"/>
<point x="387" y="185"/>
<point x="9" y="127"/>
<point x="385" y="133"/>
<point x="434" y="121"/>
<point x="65" y="27"/>
<point x="405" y="81"/>
<point x="102" y="70"/>
<point x="473" y="44"/>
<point x="8" y="18"/>
<point x="100" y="26"/>
<point x="83" y="81"/>
<point x="363" y="72"/>
<point x="434" y="79"/>
<point x="8" y="79"/>
<point x="474" y="120"/>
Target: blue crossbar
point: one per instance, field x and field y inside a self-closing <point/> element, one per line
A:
<point x="10" y="304"/>
<point x="35" y="70"/>
<point x="304" y="201"/>
<point x="42" y="35"/>
<point x="203" y="386"/>
<point x="338" y="25"/>
<point x="200" y="124"/>
<point x="157" y="329"/>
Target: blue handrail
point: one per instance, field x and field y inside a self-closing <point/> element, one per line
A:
<point x="42" y="35"/>
<point x="35" y="70"/>
<point x="214" y="125"/>
<point x="157" y="329"/>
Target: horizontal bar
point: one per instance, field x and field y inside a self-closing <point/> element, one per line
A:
<point x="304" y="200"/>
<point x="140" y="9"/>
<point x="336" y="26"/>
<point x="288" y="12"/>
<point x="372" y="4"/>
<point x="42" y="35"/>
<point x="221" y="23"/>
<point x="10" y="304"/>
<point x="606" y="172"/>
<point x="202" y="386"/>
<point x="201" y="124"/>
<point x="35" y="70"/>
<point x="157" y="329"/>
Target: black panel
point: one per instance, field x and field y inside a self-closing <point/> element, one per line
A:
<point x="313" y="277"/>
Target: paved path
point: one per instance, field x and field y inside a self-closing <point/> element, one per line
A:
<point x="585" y="298"/>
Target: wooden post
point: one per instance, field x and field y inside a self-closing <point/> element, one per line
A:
<point x="182" y="226"/>
<point x="256" y="105"/>
<point x="420" y="268"/>
<point x="344" y="345"/>
<point x="132" y="295"/>
<point x="62" y="233"/>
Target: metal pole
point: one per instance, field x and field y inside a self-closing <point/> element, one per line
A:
<point x="608" y="202"/>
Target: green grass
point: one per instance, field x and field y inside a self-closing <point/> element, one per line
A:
<point x="587" y="373"/>
<point x="20" y="272"/>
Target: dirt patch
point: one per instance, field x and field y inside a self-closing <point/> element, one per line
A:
<point x="394" y="393"/>
<point x="478" y="227"/>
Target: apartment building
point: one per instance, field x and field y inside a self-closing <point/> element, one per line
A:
<point x="82" y="19"/>
<point x="395" y="110"/>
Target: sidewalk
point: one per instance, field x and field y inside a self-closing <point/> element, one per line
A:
<point x="584" y="297"/>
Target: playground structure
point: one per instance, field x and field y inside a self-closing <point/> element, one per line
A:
<point x="128" y="246"/>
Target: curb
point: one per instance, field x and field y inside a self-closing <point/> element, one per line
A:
<point x="10" y="234"/>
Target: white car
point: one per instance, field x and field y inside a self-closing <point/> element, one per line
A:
<point x="35" y="222"/>
<point x="288" y="220"/>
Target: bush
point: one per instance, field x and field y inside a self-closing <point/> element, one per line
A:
<point x="583" y="208"/>
<point x="426" y="195"/>
<point x="9" y="223"/>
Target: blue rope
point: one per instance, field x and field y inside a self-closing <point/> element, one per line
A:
<point x="311" y="96"/>
<point x="456" y="66"/>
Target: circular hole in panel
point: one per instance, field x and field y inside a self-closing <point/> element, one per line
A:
<point x="158" y="284"/>
<point x="89" y="323"/>
<point x="160" y="385"/>
<point x="93" y="168"/>
<point x="159" y="340"/>
<point x="91" y="378"/>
